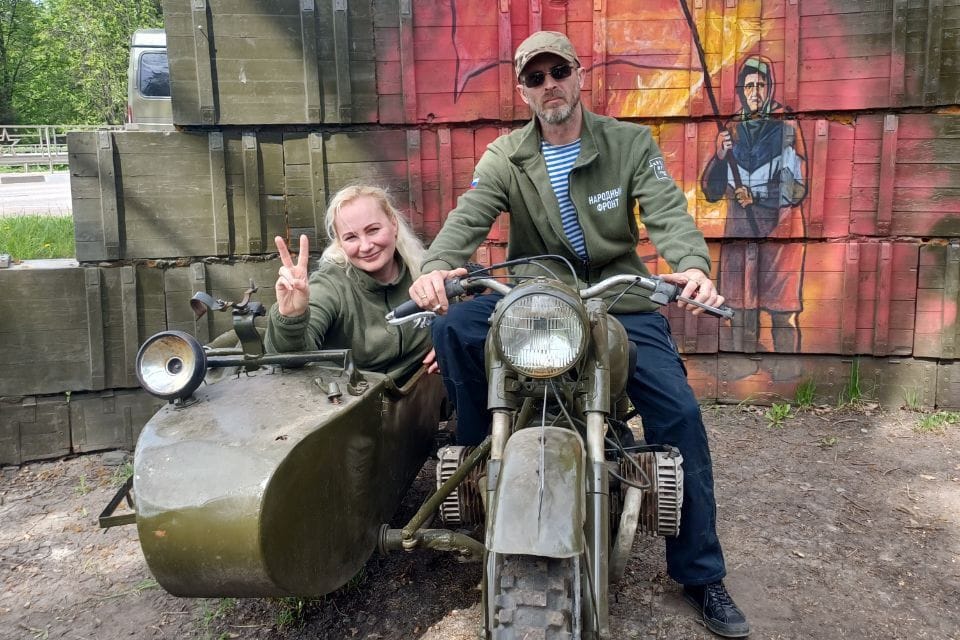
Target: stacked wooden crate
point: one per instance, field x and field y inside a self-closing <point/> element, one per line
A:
<point x="280" y="104"/>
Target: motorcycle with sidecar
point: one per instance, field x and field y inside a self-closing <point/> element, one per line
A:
<point x="278" y="478"/>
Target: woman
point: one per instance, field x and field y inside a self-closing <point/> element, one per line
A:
<point x="367" y="269"/>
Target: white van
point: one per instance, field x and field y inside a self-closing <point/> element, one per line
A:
<point x="148" y="81"/>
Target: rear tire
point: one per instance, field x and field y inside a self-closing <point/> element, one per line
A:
<point x="534" y="598"/>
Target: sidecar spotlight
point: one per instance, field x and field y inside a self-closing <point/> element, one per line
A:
<point x="171" y="365"/>
<point x="541" y="334"/>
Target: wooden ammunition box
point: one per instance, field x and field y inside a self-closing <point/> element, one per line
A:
<point x="83" y="331"/>
<point x="845" y="298"/>
<point x="906" y="169"/>
<point x="43" y="427"/>
<point x="109" y="419"/>
<point x="223" y="281"/>
<point x="702" y="374"/>
<point x="948" y="385"/>
<point x="33" y="428"/>
<point x="170" y="194"/>
<point x="53" y="337"/>
<point x="281" y="62"/>
<point x="938" y="299"/>
<point x="78" y="328"/>
<point x="242" y="62"/>
<point x="139" y="194"/>
<point x="856" y="297"/>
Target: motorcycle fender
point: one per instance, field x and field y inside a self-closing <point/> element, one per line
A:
<point x="540" y="500"/>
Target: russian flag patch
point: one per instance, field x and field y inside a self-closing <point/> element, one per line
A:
<point x="474" y="182"/>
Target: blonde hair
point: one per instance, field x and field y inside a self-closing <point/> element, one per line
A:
<point x="408" y="245"/>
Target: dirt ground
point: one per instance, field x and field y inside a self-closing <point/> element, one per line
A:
<point x="835" y="524"/>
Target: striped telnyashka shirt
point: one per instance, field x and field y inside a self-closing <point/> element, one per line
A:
<point x="560" y="159"/>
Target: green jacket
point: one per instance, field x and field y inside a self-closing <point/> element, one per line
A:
<point x="619" y="165"/>
<point x="347" y="309"/>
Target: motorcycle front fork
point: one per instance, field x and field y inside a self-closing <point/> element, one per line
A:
<point x="596" y="606"/>
<point x="598" y="525"/>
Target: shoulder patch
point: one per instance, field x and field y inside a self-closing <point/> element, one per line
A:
<point x="659" y="168"/>
<point x="474" y="182"/>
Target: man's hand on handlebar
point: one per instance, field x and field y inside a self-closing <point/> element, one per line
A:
<point x="697" y="286"/>
<point x="428" y="290"/>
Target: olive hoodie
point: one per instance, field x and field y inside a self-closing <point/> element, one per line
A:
<point x="619" y="166"/>
<point x="347" y="309"/>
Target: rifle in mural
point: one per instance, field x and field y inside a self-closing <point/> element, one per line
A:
<point x="708" y="85"/>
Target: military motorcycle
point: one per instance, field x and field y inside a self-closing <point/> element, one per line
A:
<point x="279" y="479"/>
<point x="560" y="485"/>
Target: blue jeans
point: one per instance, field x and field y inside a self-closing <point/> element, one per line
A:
<point x="660" y="393"/>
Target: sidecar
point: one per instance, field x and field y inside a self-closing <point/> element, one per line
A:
<point x="276" y="479"/>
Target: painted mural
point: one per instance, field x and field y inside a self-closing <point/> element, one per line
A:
<point x="759" y="170"/>
<point x="774" y="181"/>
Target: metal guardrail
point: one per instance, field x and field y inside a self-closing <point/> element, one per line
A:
<point x="42" y="145"/>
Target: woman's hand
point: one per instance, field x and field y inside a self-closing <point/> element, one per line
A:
<point x="293" y="291"/>
<point x="430" y="362"/>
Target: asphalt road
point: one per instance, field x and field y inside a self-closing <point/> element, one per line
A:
<point x="35" y="193"/>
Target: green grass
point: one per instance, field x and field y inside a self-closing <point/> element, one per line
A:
<point x="357" y="581"/>
<point x="211" y="614"/>
<point x="289" y="612"/>
<point x="35" y="237"/>
<point x="827" y="441"/>
<point x="121" y="474"/>
<point x="937" y="422"/>
<point x="913" y="399"/>
<point x="852" y="394"/>
<point x="31" y="167"/>
<point x="82" y="487"/>
<point x="778" y="413"/>
<point x="805" y="394"/>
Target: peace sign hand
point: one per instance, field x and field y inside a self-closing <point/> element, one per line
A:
<point x="293" y="291"/>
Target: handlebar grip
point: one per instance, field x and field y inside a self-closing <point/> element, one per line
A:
<point x="724" y="312"/>
<point x="453" y="288"/>
<point x="717" y="312"/>
<point x="405" y="309"/>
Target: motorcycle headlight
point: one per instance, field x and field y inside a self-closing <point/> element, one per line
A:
<point x="542" y="333"/>
<point x="171" y="365"/>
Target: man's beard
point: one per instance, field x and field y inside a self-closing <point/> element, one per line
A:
<point x="558" y="115"/>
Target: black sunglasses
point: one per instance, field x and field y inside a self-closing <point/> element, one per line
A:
<point x="536" y="78"/>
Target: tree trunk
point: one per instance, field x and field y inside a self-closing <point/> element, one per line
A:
<point x="7" y="114"/>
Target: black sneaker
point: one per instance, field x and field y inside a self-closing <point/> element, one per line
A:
<point x="720" y="614"/>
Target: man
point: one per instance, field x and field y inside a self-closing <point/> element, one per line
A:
<point x="764" y="201"/>
<point x="570" y="179"/>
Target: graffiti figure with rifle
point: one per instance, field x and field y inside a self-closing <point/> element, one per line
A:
<point x="759" y="166"/>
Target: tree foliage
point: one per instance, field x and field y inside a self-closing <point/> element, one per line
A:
<point x="18" y="46"/>
<point x="78" y="60"/>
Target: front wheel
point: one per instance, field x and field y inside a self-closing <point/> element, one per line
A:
<point x="535" y="597"/>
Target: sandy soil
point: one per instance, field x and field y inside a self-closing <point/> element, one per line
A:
<point x="835" y="524"/>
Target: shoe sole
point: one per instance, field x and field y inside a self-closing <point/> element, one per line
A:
<point x="726" y="633"/>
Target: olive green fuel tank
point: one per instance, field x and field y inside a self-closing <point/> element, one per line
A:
<point x="264" y="487"/>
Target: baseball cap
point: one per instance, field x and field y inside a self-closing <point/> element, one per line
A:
<point x="544" y="42"/>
